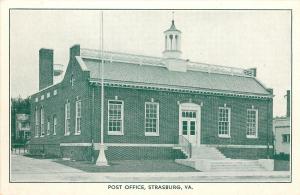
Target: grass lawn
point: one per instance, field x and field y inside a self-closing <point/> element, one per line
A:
<point x="281" y="165"/>
<point x="130" y="166"/>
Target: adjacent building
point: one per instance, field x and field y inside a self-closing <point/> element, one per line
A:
<point x="22" y="127"/>
<point x="154" y="107"/>
<point x="282" y="131"/>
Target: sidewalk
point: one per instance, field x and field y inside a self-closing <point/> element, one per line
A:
<point x="24" y="169"/>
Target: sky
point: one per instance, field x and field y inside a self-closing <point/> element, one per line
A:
<point x="235" y="38"/>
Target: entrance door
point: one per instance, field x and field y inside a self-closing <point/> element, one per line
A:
<point x="189" y="125"/>
<point x="189" y="122"/>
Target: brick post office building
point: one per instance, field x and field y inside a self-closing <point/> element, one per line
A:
<point x="154" y="107"/>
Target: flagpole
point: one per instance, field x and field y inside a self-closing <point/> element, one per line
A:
<point x="101" y="161"/>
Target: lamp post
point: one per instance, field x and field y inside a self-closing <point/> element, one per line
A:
<point x="101" y="161"/>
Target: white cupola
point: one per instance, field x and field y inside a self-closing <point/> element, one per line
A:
<point x="172" y="52"/>
<point x="172" y="42"/>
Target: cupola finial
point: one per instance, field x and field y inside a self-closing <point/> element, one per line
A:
<point x="173" y="16"/>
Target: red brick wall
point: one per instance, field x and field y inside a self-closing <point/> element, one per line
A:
<point x="55" y="105"/>
<point x="134" y="102"/>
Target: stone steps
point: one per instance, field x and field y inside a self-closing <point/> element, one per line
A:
<point x="205" y="152"/>
<point x="206" y="158"/>
<point x="222" y="165"/>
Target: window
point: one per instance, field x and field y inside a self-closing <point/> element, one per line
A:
<point x="48" y="127"/>
<point x="78" y="117"/>
<point x="188" y="114"/>
<point x="42" y="97"/>
<point x="224" y="122"/>
<point x="55" y="92"/>
<point x="36" y="99"/>
<point x="42" y="122"/>
<point x="54" y="124"/>
<point x="36" y="122"/>
<point x="286" y="138"/>
<point x="67" y="118"/>
<point x="72" y="80"/>
<point x="115" y="117"/>
<point x="48" y="94"/>
<point x="252" y="125"/>
<point x="151" y="119"/>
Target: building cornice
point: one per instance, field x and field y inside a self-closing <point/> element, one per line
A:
<point x="179" y="89"/>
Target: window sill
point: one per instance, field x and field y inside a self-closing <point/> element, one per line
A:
<point x="78" y="133"/>
<point x="224" y="136"/>
<point x="67" y="134"/>
<point x="252" y="137"/>
<point x="151" y="134"/>
<point x="54" y="133"/>
<point x="114" y="133"/>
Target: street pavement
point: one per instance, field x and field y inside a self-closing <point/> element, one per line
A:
<point x="25" y="169"/>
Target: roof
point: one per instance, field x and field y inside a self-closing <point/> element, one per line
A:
<point x="173" y="27"/>
<point x="126" y="72"/>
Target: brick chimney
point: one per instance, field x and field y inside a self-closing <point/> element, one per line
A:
<point x="74" y="51"/>
<point x="45" y="68"/>
<point x="288" y="101"/>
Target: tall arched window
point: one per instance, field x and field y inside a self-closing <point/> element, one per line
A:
<point x="36" y="122"/>
<point x="54" y="124"/>
<point x="42" y="122"/>
<point x="67" y="118"/>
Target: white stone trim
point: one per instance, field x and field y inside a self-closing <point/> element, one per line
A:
<point x="118" y="144"/>
<point x="238" y="146"/>
<point x="164" y="145"/>
<point x="139" y="145"/>
<point x="75" y="144"/>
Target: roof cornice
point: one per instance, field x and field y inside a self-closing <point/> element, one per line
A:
<point x="181" y="89"/>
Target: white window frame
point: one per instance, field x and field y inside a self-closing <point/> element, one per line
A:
<point x="48" y="94"/>
<point x="122" y="118"/>
<point x="36" y="122"/>
<point x="229" y="122"/>
<point x="55" y="92"/>
<point x="156" y="133"/>
<point x="42" y="122"/>
<point x="54" y="124"/>
<point x="256" y="124"/>
<point x="78" y="117"/>
<point x="67" y="118"/>
<point x="48" y="127"/>
<point x="72" y="80"/>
